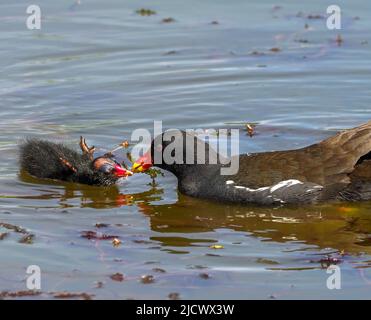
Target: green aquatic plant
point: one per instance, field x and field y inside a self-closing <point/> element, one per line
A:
<point x="145" y="12"/>
<point x="153" y="173"/>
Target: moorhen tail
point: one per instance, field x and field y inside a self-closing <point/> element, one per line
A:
<point x="338" y="168"/>
<point x="45" y="159"/>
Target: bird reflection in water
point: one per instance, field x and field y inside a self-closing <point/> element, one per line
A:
<point x="343" y="227"/>
<point x="92" y="196"/>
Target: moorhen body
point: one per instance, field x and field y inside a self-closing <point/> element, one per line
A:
<point x="45" y="159"/>
<point x="338" y="168"/>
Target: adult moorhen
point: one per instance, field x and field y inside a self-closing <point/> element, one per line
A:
<point x="45" y="159"/>
<point x="338" y="168"/>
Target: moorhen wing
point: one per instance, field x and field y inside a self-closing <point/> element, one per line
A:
<point x="338" y="168"/>
<point x="45" y="159"/>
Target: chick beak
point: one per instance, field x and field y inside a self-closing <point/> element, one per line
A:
<point x="122" y="172"/>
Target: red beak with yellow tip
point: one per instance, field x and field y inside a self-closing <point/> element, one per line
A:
<point x="143" y="163"/>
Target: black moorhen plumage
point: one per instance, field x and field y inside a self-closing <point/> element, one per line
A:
<point x="45" y="159"/>
<point x="338" y="168"/>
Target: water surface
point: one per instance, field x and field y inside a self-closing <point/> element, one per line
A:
<point x="100" y="70"/>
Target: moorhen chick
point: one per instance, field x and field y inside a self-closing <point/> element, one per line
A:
<point x="338" y="168"/>
<point x="45" y="159"/>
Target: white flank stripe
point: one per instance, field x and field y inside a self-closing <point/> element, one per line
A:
<point x="285" y="184"/>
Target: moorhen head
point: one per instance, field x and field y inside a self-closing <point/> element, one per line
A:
<point x="178" y="151"/>
<point x="45" y="159"/>
<point x="338" y="168"/>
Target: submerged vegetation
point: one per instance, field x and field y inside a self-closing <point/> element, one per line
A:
<point x="146" y="12"/>
<point x="168" y="20"/>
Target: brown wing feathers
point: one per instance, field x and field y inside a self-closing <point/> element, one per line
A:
<point x="327" y="163"/>
<point x="342" y="152"/>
